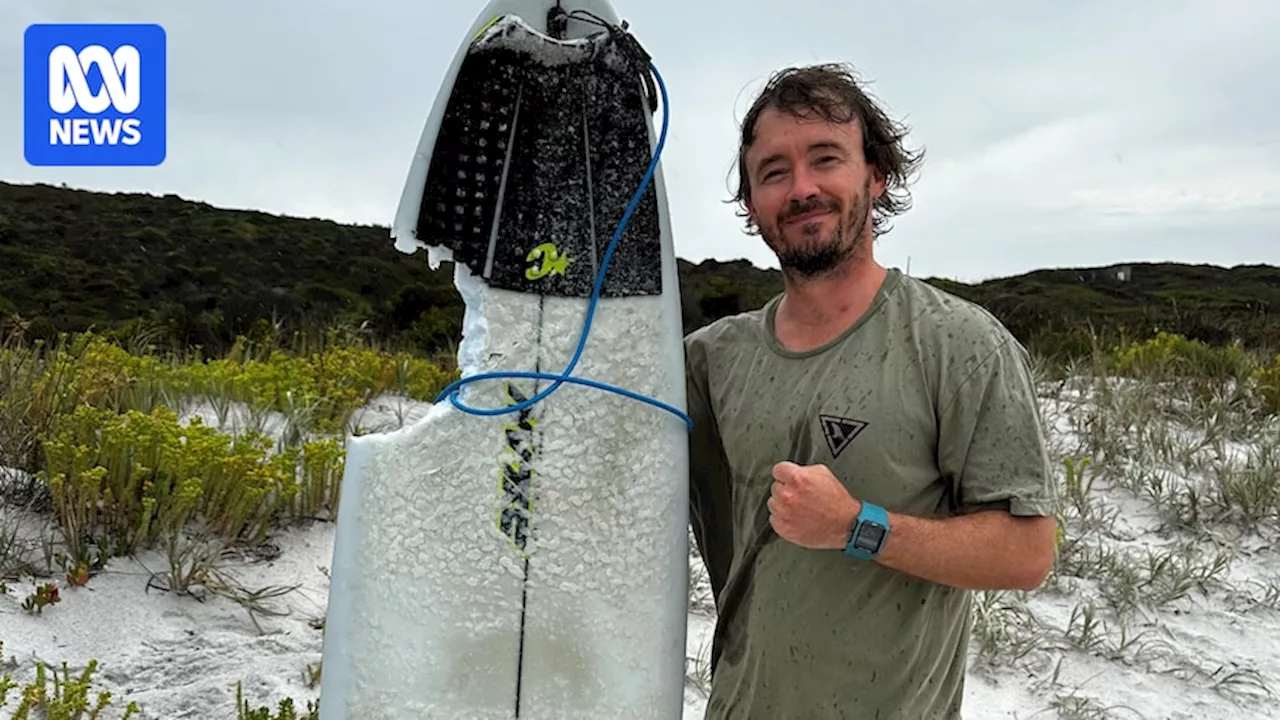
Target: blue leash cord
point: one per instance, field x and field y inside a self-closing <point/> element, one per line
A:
<point x="564" y="377"/>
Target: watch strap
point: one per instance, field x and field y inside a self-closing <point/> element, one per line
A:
<point x="869" y="532"/>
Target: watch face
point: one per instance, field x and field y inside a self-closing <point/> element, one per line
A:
<point x="869" y="538"/>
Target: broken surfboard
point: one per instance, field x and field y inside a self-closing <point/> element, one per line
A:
<point x="532" y="564"/>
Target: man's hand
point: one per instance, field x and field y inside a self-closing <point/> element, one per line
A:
<point x="809" y="507"/>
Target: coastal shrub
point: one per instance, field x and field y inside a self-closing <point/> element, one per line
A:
<point x="329" y="385"/>
<point x="60" y="697"/>
<point x="124" y="480"/>
<point x="1268" y="379"/>
<point x="1169" y="355"/>
<point x="108" y="438"/>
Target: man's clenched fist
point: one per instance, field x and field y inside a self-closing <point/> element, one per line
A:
<point x="809" y="507"/>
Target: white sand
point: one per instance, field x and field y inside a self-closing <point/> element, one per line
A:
<point x="180" y="657"/>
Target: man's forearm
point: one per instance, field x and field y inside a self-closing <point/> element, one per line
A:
<point x="983" y="550"/>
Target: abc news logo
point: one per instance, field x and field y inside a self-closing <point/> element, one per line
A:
<point x="69" y="89"/>
<point x="94" y="95"/>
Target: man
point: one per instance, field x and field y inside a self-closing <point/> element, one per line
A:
<point x="867" y="448"/>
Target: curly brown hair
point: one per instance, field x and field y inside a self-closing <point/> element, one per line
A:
<point x="832" y="91"/>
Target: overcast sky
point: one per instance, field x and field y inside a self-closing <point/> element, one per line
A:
<point x="1057" y="133"/>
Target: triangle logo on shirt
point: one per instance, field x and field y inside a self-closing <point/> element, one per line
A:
<point x="839" y="432"/>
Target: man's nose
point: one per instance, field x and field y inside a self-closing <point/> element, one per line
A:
<point x="804" y="185"/>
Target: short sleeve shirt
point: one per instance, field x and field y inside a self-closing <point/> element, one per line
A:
<point x="925" y="406"/>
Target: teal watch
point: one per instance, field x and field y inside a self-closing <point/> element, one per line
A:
<point x="869" y="533"/>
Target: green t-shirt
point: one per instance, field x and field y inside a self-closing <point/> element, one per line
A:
<point x="925" y="406"/>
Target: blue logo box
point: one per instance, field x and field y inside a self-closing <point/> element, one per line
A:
<point x="94" y="95"/>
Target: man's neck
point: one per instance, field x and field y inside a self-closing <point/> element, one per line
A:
<point x="814" y="311"/>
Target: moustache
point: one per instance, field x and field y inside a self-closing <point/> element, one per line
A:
<point x="795" y="208"/>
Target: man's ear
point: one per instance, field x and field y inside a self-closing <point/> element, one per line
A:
<point x="877" y="184"/>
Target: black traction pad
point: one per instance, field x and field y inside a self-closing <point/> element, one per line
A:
<point x="565" y="121"/>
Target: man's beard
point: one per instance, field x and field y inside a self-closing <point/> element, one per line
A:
<point x="817" y="255"/>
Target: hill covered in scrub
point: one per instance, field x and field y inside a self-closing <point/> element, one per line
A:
<point x="191" y="274"/>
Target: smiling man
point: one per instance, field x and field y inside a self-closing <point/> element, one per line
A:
<point x="867" y="449"/>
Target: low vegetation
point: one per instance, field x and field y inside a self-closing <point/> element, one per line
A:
<point x="1168" y="459"/>
<point x="121" y="449"/>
